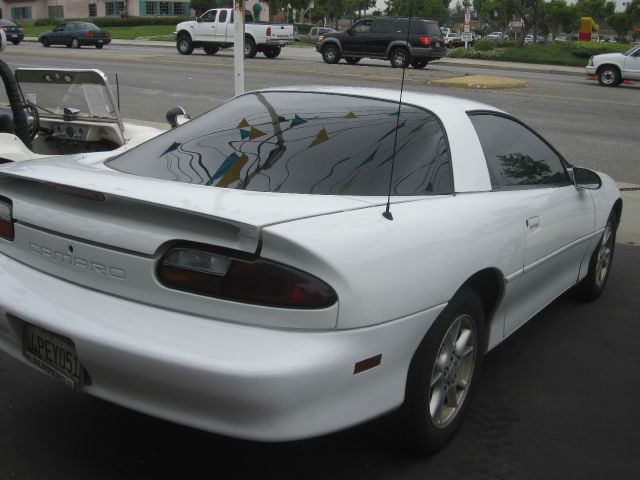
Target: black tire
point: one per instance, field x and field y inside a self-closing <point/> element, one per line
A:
<point x="99" y="46"/>
<point x="210" y="49"/>
<point x="250" y="49"/>
<point x="352" y="60"/>
<point x="184" y="45"/>
<point x="419" y="62"/>
<point x="609" y="76"/>
<point x="75" y="43"/>
<point x="330" y="53"/>
<point x="15" y="42"/>
<point x="271" y="51"/>
<point x="440" y="374"/>
<point x="399" y="58"/>
<point x="46" y="42"/>
<point x="592" y="286"/>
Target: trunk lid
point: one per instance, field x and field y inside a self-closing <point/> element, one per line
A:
<point x="151" y="209"/>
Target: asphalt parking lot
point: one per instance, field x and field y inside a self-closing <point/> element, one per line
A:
<point x="558" y="400"/>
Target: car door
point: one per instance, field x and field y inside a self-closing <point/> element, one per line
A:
<point x="355" y="41"/>
<point x="557" y="218"/>
<point x="632" y="66"/>
<point x="223" y="32"/>
<point x="382" y="32"/>
<point x="205" y="29"/>
<point x="67" y="33"/>
<point x="57" y="35"/>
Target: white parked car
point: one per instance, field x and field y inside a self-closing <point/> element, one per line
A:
<point x="494" y="36"/>
<point x="612" y="69"/>
<point x="245" y="274"/>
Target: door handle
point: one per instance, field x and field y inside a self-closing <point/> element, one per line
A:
<point x="533" y="222"/>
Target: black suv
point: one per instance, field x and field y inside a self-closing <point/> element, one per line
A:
<point x="386" y="38"/>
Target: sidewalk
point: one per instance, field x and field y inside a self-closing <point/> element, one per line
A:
<point x="454" y="62"/>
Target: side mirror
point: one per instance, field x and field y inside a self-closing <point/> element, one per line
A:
<point x="3" y="40"/>
<point x="177" y="116"/>
<point x="198" y="19"/>
<point x="584" y="179"/>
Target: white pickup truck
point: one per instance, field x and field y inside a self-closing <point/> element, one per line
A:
<point x="611" y="69"/>
<point x="215" y="29"/>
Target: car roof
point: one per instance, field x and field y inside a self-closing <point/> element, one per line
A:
<point x="430" y="101"/>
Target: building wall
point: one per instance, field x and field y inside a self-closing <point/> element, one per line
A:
<point x="38" y="9"/>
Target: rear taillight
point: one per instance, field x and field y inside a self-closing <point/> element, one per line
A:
<point x="268" y="31"/>
<point x="106" y="34"/>
<point x="6" y="219"/>
<point x="21" y="29"/>
<point x="425" y="40"/>
<point x="88" y="34"/>
<point x="242" y="278"/>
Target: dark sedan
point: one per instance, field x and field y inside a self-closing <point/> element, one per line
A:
<point x="76" y="34"/>
<point x="14" y="32"/>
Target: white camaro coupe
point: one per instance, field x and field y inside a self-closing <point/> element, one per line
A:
<point x="244" y="274"/>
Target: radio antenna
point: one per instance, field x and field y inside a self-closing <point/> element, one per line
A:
<point x="387" y="213"/>
<point x="118" y="91"/>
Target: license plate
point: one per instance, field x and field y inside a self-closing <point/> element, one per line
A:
<point x="100" y="41"/>
<point x="54" y="354"/>
<point x="437" y="44"/>
<point x="12" y="35"/>
<point x="282" y="42"/>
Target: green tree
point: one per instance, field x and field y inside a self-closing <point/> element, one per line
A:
<point x="599" y="10"/>
<point x="201" y="6"/>
<point x="621" y="23"/>
<point x="496" y="12"/>
<point x="556" y="16"/>
<point x="633" y="10"/>
<point x="435" y="9"/>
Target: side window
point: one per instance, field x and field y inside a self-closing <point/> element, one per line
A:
<point x="222" y="17"/>
<point x="381" y="26"/>
<point x="363" y="26"/>
<point x="69" y="27"/>
<point x="516" y="156"/>
<point x="209" y="16"/>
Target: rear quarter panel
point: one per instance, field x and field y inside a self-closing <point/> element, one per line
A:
<point x="383" y="270"/>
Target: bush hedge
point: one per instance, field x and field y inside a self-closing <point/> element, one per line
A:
<point x="116" y="21"/>
<point x="588" y="49"/>
<point x="485" y="44"/>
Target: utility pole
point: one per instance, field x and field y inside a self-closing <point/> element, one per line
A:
<point x="238" y="46"/>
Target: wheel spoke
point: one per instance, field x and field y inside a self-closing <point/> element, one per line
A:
<point x="463" y="342"/>
<point x="435" y="378"/>
<point x="437" y="401"/>
<point x="452" y="336"/>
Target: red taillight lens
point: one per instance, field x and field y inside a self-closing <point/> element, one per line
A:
<point x="106" y="34"/>
<point x="6" y="219"/>
<point x="88" y="34"/>
<point x="268" y="31"/>
<point x="243" y="279"/>
<point x="425" y="40"/>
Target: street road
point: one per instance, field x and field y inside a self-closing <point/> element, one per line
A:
<point x="558" y="400"/>
<point x="591" y="125"/>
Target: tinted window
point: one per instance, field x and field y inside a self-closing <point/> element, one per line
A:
<point x="301" y="143"/>
<point x="418" y="27"/>
<point x="69" y="27"/>
<point x="382" y="26"/>
<point x="363" y="27"/>
<point x="222" y="17"/>
<point x="515" y="155"/>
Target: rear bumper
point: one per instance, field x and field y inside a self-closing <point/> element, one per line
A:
<point x="94" y="41"/>
<point x="279" y="42"/>
<point x="243" y="381"/>
<point x="14" y="37"/>
<point x="431" y="53"/>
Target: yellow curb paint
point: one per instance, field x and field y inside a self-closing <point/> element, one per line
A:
<point x="481" y="82"/>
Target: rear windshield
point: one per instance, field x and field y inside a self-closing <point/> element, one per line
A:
<point x="294" y="142"/>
